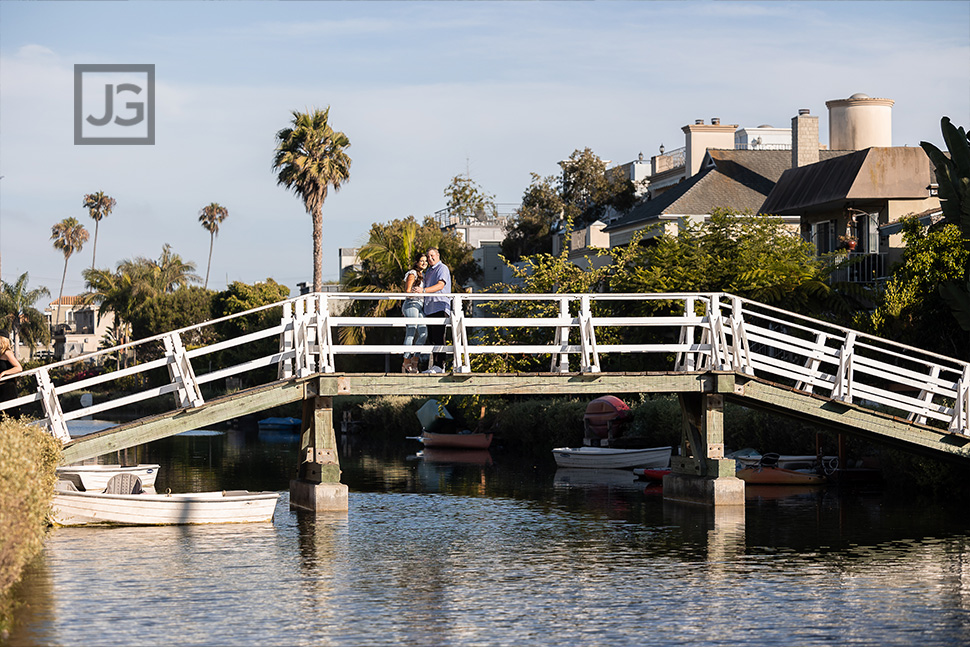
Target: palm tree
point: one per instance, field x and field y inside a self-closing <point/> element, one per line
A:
<point x="310" y="158"/>
<point x="210" y="217"/>
<point x="99" y="206"/>
<point x="386" y="257"/>
<point x="69" y="236"/>
<point x="112" y="291"/>
<point x="18" y="315"/>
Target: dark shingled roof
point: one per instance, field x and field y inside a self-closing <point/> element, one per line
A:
<point x="738" y="180"/>
<point x="872" y="173"/>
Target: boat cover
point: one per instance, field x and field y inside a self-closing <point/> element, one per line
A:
<point x="606" y="416"/>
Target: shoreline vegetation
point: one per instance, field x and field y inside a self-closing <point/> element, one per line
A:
<point x="28" y="459"/>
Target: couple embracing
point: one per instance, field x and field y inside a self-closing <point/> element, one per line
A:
<point x="431" y="279"/>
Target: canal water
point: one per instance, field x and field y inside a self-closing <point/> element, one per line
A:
<point x="493" y="548"/>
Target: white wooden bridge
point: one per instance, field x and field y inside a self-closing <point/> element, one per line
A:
<point x="713" y="345"/>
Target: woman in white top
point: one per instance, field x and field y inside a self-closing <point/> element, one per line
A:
<point x="413" y="306"/>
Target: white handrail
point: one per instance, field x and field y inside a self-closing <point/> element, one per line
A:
<point x="696" y="331"/>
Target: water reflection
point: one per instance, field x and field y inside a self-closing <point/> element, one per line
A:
<point x="504" y="551"/>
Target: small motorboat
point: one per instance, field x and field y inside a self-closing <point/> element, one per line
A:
<point x="125" y="503"/>
<point x="612" y="458"/>
<point x="94" y="478"/>
<point x="769" y="475"/>
<point x="439" y="430"/>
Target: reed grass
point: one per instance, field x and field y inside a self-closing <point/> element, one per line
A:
<point x="28" y="459"/>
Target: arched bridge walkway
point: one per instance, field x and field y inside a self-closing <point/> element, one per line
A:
<point x="707" y="347"/>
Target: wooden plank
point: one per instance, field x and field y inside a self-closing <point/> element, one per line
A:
<point x="512" y="383"/>
<point x="852" y="419"/>
<point x="163" y="425"/>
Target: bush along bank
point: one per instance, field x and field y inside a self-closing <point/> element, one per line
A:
<point x="28" y="459"/>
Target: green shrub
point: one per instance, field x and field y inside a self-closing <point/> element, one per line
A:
<point x="28" y="458"/>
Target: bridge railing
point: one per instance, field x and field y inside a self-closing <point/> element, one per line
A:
<point x="573" y="332"/>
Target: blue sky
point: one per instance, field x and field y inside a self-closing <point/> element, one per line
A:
<point x="425" y="91"/>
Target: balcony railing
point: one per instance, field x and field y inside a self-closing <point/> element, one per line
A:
<point x="861" y="268"/>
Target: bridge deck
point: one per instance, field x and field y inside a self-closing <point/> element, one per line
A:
<point x="708" y="343"/>
<point x="743" y="389"/>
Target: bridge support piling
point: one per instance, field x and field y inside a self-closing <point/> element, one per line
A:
<point x="701" y="474"/>
<point x="317" y="485"/>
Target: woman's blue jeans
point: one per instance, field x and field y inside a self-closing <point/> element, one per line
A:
<point x="414" y="334"/>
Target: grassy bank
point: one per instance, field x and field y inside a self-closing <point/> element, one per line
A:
<point x="28" y="458"/>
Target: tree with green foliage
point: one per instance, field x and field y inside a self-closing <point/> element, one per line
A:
<point x="465" y="197"/>
<point x="136" y="294"/>
<point x="585" y="191"/>
<point x="751" y="256"/>
<point x="537" y="220"/>
<point x="180" y="308"/>
<point x="953" y="182"/>
<point x="387" y="256"/>
<point x="20" y="320"/>
<point x="69" y="236"/>
<point x="211" y="216"/>
<point x="757" y="257"/>
<point x="310" y="159"/>
<point x="912" y="309"/>
<point x="99" y="206"/>
<point x="589" y="189"/>
<point x="239" y="297"/>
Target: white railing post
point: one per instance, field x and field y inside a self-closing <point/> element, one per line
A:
<point x="302" y="319"/>
<point x="685" y="360"/>
<point x="181" y="372"/>
<point x="287" y="366"/>
<point x="813" y="364"/>
<point x="741" y="351"/>
<point x="459" y="337"/>
<point x="325" y="361"/>
<point x="560" y="360"/>
<point x="960" y="422"/>
<point x="52" y="407"/>
<point x="842" y="389"/>
<point x="720" y="357"/>
<point x="587" y="336"/>
<point x="926" y="395"/>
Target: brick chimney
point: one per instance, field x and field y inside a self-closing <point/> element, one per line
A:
<point x="804" y="139"/>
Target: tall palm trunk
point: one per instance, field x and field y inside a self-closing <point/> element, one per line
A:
<point x="212" y="240"/>
<point x="60" y="296"/>
<point x="318" y="249"/>
<point x="94" y="254"/>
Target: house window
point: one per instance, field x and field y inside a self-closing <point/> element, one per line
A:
<point x="823" y="235"/>
<point x="867" y="232"/>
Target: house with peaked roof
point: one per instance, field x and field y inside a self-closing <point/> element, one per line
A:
<point x="854" y="203"/>
<point x="733" y="179"/>
<point x="716" y="174"/>
<point x="77" y="326"/>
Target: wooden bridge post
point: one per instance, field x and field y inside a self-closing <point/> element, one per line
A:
<point x="317" y="485"/>
<point x="701" y="474"/>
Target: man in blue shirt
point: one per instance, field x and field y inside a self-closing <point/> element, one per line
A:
<point x="437" y="284"/>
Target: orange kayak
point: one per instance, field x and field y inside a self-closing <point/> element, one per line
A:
<point x="779" y="476"/>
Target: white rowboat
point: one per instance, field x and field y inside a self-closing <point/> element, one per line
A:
<point x="612" y="458"/>
<point x="94" y="478"/>
<point x="82" y="508"/>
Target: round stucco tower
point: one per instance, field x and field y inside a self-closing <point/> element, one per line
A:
<point x="860" y="122"/>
